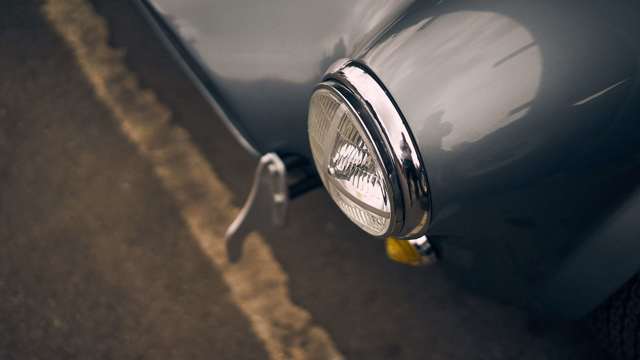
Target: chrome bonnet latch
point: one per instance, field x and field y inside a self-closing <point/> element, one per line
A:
<point x="266" y="206"/>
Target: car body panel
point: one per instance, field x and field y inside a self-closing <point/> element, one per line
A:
<point x="597" y="268"/>
<point x="264" y="57"/>
<point x="525" y="114"/>
<point x="526" y="117"/>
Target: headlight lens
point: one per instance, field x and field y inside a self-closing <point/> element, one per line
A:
<point x="348" y="162"/>
<point x="366" y="155"/>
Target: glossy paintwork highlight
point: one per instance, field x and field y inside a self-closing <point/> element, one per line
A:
<point x="265" y="57"/>
<point x="477" y="72"/>
<point x="526" y="117"/>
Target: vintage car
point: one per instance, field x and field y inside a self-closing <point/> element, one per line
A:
<point x="501" y="138"/>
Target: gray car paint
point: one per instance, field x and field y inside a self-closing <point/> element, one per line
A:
<point x="265" y="57"/>
<point x="525" y="114"/>
<point x="522" y="112"/>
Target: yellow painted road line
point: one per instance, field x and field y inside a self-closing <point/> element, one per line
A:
<point x="257" y="284"/>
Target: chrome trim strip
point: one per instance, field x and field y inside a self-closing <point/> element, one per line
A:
<point x="384" y="122"/>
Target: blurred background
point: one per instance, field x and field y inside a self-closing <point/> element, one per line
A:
<point x="97" y="258"/>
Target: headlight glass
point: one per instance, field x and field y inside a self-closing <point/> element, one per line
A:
<point x="348" y="162"/>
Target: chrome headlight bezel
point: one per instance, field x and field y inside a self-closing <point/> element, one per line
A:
<point x="387" y="130"/>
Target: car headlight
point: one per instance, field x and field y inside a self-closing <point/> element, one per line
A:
<point x="365" y="154"/>
<point x="350" y="164"/>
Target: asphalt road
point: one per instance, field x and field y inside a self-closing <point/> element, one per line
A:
<point x="97" y="259"/>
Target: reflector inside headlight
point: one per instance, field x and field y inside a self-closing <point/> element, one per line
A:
<point x="348" y="162"/>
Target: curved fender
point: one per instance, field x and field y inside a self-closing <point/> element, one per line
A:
<point x="261" y="59"/>
<point x="526" y="117"/>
